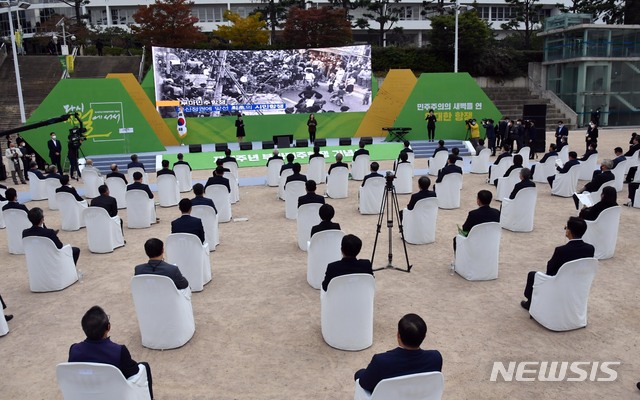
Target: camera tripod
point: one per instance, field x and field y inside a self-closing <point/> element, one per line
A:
<point x="391" y="207"/>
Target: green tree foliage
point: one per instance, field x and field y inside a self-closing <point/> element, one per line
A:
<point x="275" y="13"/>
<point x="244" y="33"/>
<point x="386" y="14"/>
<point x="317" y="27"/>
<point x="610" y="11"/>
<point x="524" y="19"/>
<point x="77" y="7"/>
<point x="167" y="23"/>
<point x="350" y="5"/>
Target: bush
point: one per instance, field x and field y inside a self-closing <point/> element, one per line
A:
<point x="112" y="51"/>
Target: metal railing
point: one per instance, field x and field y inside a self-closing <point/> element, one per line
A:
<point x="3" y="53"/>
<point x="141" y="69"/>
<point x="74" y="54"/>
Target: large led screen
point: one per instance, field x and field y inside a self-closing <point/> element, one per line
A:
<point x="210" y="83"/>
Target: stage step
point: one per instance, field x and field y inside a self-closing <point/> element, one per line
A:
<point x="103" y="163"/>
<point x="424" y="149"/>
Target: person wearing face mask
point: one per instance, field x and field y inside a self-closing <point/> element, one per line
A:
<point x="561" y="131"/>
<point x="592" y="134"/>
<point x="55" y="151"/>
<point x="14" y="161"/>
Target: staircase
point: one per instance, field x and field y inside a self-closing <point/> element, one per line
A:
<point x="510" y="101"/>
<point x="424" y="149"/>
<point x="99" y="67"/>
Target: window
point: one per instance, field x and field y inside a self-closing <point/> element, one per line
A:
<point x="408" y="13"/>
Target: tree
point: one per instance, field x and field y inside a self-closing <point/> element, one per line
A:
<point x="320" y="27"/>
<point x="632" y="12"/>
<point x="245" y="32"/>
<point x="526" y="13"/>
<point x="386" y="14"/>
<point x="275" y="13"/>
<point x="350" y="5"/>
<point x="167" y="23"/>
<point x="610" y="11"/>
<point x="77" y="6"/>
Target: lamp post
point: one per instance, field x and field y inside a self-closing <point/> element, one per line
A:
<point x="65" y="49"/>
<point x="456" y="49"/>
<point x="22" y="5"/>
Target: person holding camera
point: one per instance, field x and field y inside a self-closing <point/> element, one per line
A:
<point x="14" y="161"/>
<point x="474" y="132"/>
<point x="490" y="133"/>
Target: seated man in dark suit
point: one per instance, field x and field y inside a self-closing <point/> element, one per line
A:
<point x="53" y="173"/>
<point x="591" y="150"/>
<point x="338" y="163"/>
<point x="138" y="185"/>
<point x="573" y="160"/>
<point x="360" y="151"/>
<point x="517" y="163"/>
<point x="573" y="250"/>
<point x="199" y="199"/>
<point x="450" y="168"/>
<point x="374" y="172"/>
<point x="115" y="173"/>
<point x="36" y="217"/>
<point x="439" y="148"/>
<point x="165" y="169"/>
<point x="326" y="213"/>
<point x="525" y="182"/>
<point x="598" y="180"/>
<point x="220" y="163"/>
<point x="66" y="188"/>
<point x="12" y="197"/>
<point x="619" y="156"/>
<point x="311" y="196"/>
<point x="186" y="223"/>
<point x="406" y="359"/>
<point x="456" y="152"/>
<point x="33" y="168"/>
<point x="350" y="247"/>
<point x="608" y="198"/>
<point x="156" y="265"/>
<point x="274" y="156"/>
<point x="423" y="183"/>
<point x="108" y="203"/>
<point x="227" y="157"/>
<point x="405" y="150"/>
<point x="480" y="215"/>
<point x="316" y="153"/>
<point x="289" y="163"/>
<point x="506" y="152"/>
<point x="181" y="161"/>
<point x="218" y="179"/>
<point x="635" y="146"/>
<point x="135" y="163"/>
<point x="98" y="347"/>
<point x="296" y="176"/>
<point x="552" y="152"/>
<point x="403" y="158"/>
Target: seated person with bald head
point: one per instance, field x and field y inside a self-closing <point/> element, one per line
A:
<point x="338" y="163"/>
<point x="115" y="173"/>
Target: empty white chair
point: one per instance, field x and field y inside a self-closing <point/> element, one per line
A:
<point x="49" y="268"/>
<point x="346" y="310"/>
<point x="404" y="178"/>
<point x="52" y="185"/>
<point x="517" y="215"/>
<point x="559" y="303"/>
<point x="37" y="187"/>
<point x="506" y="184"/>
<point x="70" y="211"/>
<point x="117" y="189"/>
<point x="222" y="199"/>
<point x="525" y="152"/>
<point x="282" y="180"/>
<point x="587" y="167"/>
<point x="564" y="185"/>
<point x="307" y="218"/>
<point x="498" y="171"/>
<point x="603" y="232"/>
<point x="234" y="197"/>
<point x="424" y="386"/>
<point x="168" y="191"/>
<point x="618" y="172"/>
<point x="448" y="191"/>
<point x="2" y="224"/>
<point x="544" y="169"/>
<point x="192" y="258"/>
<point x="103" y="232"/>
<point x="16" y="221"/>
<point x="141" y="210"/>
<point x="131" y="171"/>
<point x="82" y="381"/>
<point x="293" y="190"/>
<point x="633" y="161"/>
<point x="420" y="223"/>
<point x="92" y="182"/>
<point x="563" y="154"/>
<point x="338" y="183"/>
<point x="273" y="171"/>
<point x="4" y="327"/>
<point x="360" y="166"/>
<point x="437" y="163"/>
<point x="480" y="163"/>
<point x="371" y="194"/>
<point x="183" y="174"/>
<point x="233" y="167"/>
<point x="323" y="249"/>
<point x="316" y="170"/>
<point x="476" y="257"/>
<point x="210" y="223"/>
<point x="165" y="315"/>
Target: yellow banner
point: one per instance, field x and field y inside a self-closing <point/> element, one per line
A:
<point x="70" y="65"/>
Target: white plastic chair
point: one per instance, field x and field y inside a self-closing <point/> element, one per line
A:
<point x="338" y="183"/>
<point x="480" y="163"/>
<point x="234" y="197"/>
<point x="70" y="211"/>
<point x="424" y="386"/>
<point x="371" y="195"/>
<point x="506" y="184"/>
<point x="50" y="269"/>
<point x="117" y="189"/>
<point x="91" y="182"/>
<point x="222" y="199"/>
<point x="587" y="167"/>
<point x="192" y="258"/>
<point x="476" y="257"/>
<point x="618" y="172"/>
<point x="498" y="171"/>
<point x="525" y="152"/>
<point x="4" y="327"/>
<point x="564" y="185"/>
<point x="273" y="171"/>
<point x="437" y="163"/>
<point x="2" y="224"/>
<point x="282" y="180"/>
<point x="308" y="217"/>
<point x="37" y="187"/>
<point x="168" y="191"/>
<point x="141" y="211"/>
<point x="16" y="221"/>
<point x="544" y="169"/>
<point x="183" y="175"/>
<point x="210" y="223"/>
<point x="165" y="315"/>
<point x="52" y="185"/>
<point x="595" y="196"/>
<point x="517" y="215"/>
<point x="293" y="190"/>
<point x="103" y="232"/>
<point x="82" y="381"/>
<point x="404" y="178"/>
<point x="411" y="157"/>
<point x="633" y="161"/>
<point x="448" y="191"/>
<point x="559" y="303"/>
<point x="360" y="166"/>
<point x="316" y="170"/>
<point x="346" y="311"/>
<point x="420" y="223"/>
<point x="145" y="176"/>
<point x="233" y="167"/>
<point x="323" y="249"/>
<point x="603" y="232"/>
<point x="563" y="154"/>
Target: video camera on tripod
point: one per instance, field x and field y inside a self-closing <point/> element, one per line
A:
<point x="77" y="133"/>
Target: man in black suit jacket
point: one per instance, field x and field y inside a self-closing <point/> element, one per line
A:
<point x="135" y="163"/>
<point x="218" y="179"/>
<point x="619" y="156"/>
<point x="311" y="196"/>
<point x="480" y="215"/>
<point x="186" y="223"/>
<point x="405" y="150"/>
<point x="374" y="172"/>
<point x="450" y="168"/>
<point x="608" y="198"/>
<point x="561" y="131"/>
<point x="517" y="164"/>
<point x="406" y="359"/>
<point x="635" y="146"/>
<point x="66" y="188"/>
<point x="156" y="266"/>
<point x="115" y="173"/>
<point x="423" y="183"/>
<point x="199" y="199"/>
<point x="138" y="185"/>
<point x="360" y="151"/>
<point x="12" y="197"/>
<point x="181" y="162"/>
<point x="525" y="182"/>
<point x="316" y="153"/>
<point x="36" y="217"/>
<point x="108" y="203"/>
<point x="227" y="157"/>
<point x="165" y="169"/>
<point x="33" y="168"/>
<point x="274" y="156"/>
<point x="573" y="250"/>
<point x="439" y="148"/>
<point x="326" y="213"/>
<point x="296" y="176"/>
<point x="591" y="150"/>
<point x="289" y="163"/>
<point x="598" y="180"/>
<point x="338" y="163"/>
<point x="53" y="173"/>
<point x="573" y="161"/>
<point x="55" y="150"/>
<point x="350" y="247"/>
<point x="552" y="152"/>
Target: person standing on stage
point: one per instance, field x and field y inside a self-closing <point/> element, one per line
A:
<point x="312" y="123"/>
<point x="431" y="125"/>
<point x="240" y="128"/>
<point x="55" y="151"/>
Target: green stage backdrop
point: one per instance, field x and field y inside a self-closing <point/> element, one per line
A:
<point x="113" y="121"/>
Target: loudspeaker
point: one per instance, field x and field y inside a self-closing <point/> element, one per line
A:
<point x="320" y="142"/>
<point x="367" y="140"/>
<point x="267" y="144"/>
<point x="246" y="146"/>
<point x="283" y="141"/>
<point x="302" y="143"/>
<point x="537" y="113"/>
<point x="221" y="146"/>
<point x="195" y="148"/>
<point x="345" y="141"/>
